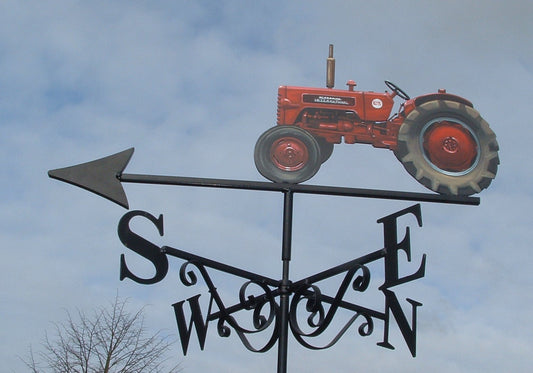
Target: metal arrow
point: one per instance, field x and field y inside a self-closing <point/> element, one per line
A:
<point x="105" y="176"/>
<point x="99" y="176"/>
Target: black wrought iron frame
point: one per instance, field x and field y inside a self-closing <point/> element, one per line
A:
<point x="104" y="177"/>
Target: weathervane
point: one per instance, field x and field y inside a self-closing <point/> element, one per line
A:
<point x="450" y="153"/>
<point x="275" y="310"/>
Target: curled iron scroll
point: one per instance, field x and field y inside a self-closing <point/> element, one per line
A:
<point x="264" y="308"/>
<point x="319" y="320"/>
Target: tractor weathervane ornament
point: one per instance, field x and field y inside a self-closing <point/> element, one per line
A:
<point x="440" y="138"/>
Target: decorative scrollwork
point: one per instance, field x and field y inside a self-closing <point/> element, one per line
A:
<point x="367" y="327"/>
<point x="318" y="319"/>
<point x="260" y="320"/>
<point x="263" y="306"/>
<point x="223" y="330"/>
<point x="188" y="278"/>
<point x="312" y="296"/>
<point x="257" y="304"/>
<point x="361" y="282"/>
<point x="303" y="299"/>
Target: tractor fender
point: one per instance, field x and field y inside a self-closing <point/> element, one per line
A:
<point x="441" y="95"/>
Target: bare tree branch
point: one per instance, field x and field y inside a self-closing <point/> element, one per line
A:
<point x="110" y="340"/>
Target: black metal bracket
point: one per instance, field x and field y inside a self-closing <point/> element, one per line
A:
<point x="104" y="177"/>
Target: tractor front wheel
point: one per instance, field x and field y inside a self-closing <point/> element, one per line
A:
<point x="448" y="147"/>
<point x="326" y="149"/>
<point x="287" y="154"/>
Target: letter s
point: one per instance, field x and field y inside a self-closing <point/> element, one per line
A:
<point x="142" y="247"/>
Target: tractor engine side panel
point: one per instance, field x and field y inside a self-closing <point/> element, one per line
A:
<point x="292" y="101"/>
<point x="378" y="106"/>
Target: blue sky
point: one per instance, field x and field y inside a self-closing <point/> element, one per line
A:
<point x="192" y="85"/>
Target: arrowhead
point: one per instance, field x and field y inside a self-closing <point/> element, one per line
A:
<point x="99" y="176"/>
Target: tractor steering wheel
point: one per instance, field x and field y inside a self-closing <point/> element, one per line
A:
<point x="397" y="90"/>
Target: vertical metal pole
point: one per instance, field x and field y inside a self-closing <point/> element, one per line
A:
<point x="285" y="283"/>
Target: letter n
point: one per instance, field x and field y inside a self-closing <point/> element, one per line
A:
<point x="197" y="320"/>
<point x="409" y="333"/>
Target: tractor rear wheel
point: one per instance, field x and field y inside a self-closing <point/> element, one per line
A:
<point x="448" y="147"/>
<point x="287" y="154"/>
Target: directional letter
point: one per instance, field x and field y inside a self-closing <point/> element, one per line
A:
<point x="196" y="319"/>
<point x="392" y="278"/>
<point x="408" y="333"/>
<point x="142" y="247"/>
<point x="392" y="246"/>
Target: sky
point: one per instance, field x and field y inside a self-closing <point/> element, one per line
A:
<point x="191" y="85"/>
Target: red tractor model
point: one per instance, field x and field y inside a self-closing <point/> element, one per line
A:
<point x="440" y="138"/>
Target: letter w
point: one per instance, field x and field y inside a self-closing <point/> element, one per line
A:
<point x="196" y="318"/>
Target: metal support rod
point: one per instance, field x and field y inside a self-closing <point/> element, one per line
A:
<point x="287" y="226"/>
<point x="296" y="188"/>
<point x="285" y="282"/>
<point x="218" y="266"/>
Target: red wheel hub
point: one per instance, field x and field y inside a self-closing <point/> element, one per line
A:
<point x="289" y="154"/>
<point x="450" y="146"/>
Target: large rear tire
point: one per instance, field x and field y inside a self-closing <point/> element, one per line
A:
<point x="448" y="147"/>
<point x="287" y="154"/>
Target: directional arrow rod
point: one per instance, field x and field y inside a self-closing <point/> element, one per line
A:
<point x="105" y="175"/>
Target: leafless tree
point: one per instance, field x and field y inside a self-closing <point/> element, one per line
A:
<point x="110" y="340"/>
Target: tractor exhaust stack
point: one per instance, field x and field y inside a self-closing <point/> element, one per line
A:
<point x="330" y="69"/>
